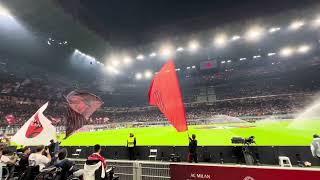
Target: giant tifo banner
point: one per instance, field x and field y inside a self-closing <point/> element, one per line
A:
<point x="220" y="172"/>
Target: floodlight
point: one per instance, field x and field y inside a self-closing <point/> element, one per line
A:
<point x="271" y="54"/>
<point x="296" y="25"/>
<point x="147" y="74"/>
<point x="180" y="49"/>
<point x="274" y="29"/>
<point x="140" y="57"/>
<point x="286" y="52"/>
<point x="127" y="60"/>
<point x="193" y="46"/>
<point x="242" y="59"/>
<point x="229" y="61"/>
<point x="254" y="33"/>
<point x="235" y="37"/>
<point x="153" y="54"/>
<point x="115" y="63"/>
<point x="303" y="49"/>
<point x="138" y="76"/>
<point x="222" y="62"/>
<point x="220" y="40"/>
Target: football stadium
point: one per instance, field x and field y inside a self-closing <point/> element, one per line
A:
<point x="154" y="90"/>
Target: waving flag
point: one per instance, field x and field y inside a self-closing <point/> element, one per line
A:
<point x="81" y="105"/>
<point x="38" y="130"/>
<point x="165" y="93"/>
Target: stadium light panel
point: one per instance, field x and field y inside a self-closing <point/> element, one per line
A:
<point x="188" y="67"/>
<point x="296" y="25"/>
<point x="271" y="54"/>
<point x="286" y="52"/>
<point x="140" y="57"/>
<point x="254" y="33"/>
<point x="193" y="67"/>
<point x="235" y="37"/>
<point x="194" y="46"/>
<point x="153" y="54"/>
<point x="148" y="74"/>
<point x="303" y="49"/>
<point x="242" y="59"/>
<point x="229" y="61"/>
<point x="180" y="49"/>
<point x="220" y="40"/>
<point x="222" y="62"/>
<point x="178" y="69"/>
<point x="138" y="76"/>
<point x="274" y="29"/>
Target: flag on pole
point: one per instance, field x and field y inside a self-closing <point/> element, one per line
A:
<point x="81" y="105"/>
<point x="164" y="92"/>
<point x="38" y="130"/>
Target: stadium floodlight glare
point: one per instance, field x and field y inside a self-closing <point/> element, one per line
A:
<point x="304" y="49"/>
<point x="180" y="49"/>
<point x="188" y="67"/>
<point x="115" y="63"/>
<point x="229" y="61"/>
<point x="222" y="62"/>
<point x="286" y="52"/>
<point x="194" y="46"/>
<point x="138" y="76"/>
<point x="193" y="67"/>
<point x="65" y="42"/>
<point x="220" y="40"/>
<point x="112" y="70"/>
<point x="274" y="29"/>
<point x="5" y="12"/>
<point x="127" y="60"/>
<point x="148" y="74"/>
<point x="166" y="51"/>
<point x="235" y="37"/>
<point x="178" y="69"/>
<point x="316" y="22"/>
<point x="296" y="25"/>
<point x="271" y="54"/>
<point x="242" y="59"/>
<point x="254" y="33"/>
<point x="140" y="57"/>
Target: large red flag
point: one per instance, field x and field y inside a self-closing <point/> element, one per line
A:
<point x="165" y="93"/>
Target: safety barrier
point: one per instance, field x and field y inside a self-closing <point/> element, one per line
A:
<point x="136" y="170"/>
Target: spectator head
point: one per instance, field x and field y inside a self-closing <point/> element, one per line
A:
<point x="26" y="150"/>
<point x="51" y="141"/>
<point x="7" y="152"/>
<point x="62" y="154"/>
<point x="315" y="136"/>
<point x="40" y="149"/>
<point x="131" y="135"/>
<point x="193" y="136"/>
<point x="97" y="148"/>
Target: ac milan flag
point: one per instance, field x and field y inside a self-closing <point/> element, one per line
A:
<point x="81" y="105"/>
<point x="38" y="130"/>
<point x="165" y="93"/>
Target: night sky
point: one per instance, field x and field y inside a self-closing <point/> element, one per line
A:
<point x="136" y="22"/>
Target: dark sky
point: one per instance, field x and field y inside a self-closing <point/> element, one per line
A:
<point x="135" y="22"/>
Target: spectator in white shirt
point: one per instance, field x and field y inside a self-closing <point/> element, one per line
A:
<point x="38" y="158"/>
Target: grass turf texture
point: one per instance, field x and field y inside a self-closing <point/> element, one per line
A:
<point x="267" y="133"/>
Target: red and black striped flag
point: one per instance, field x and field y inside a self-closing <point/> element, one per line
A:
<point x="81" y="105"/>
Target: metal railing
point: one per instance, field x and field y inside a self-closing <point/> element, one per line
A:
<point x="136" y="170"/>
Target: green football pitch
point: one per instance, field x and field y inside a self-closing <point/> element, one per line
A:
<point x="267" y="133"/>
